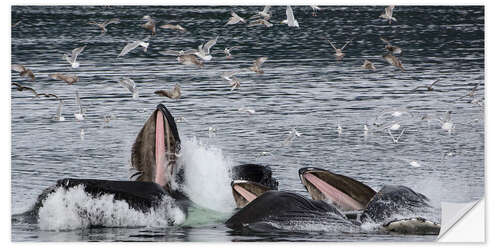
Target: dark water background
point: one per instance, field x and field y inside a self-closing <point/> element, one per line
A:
<point x="303" y="87"/>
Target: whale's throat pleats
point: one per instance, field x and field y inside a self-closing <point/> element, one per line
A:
<point x="160" y="153"/>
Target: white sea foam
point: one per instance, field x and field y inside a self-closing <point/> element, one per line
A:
<point x="207" y="175"/>
<point x="73" y="208"/>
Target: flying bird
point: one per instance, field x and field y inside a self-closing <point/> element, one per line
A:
<point x="315" y="9"/>
<point x="190" y="60"/>
<point x="130" y="46"/>
<point x="368" y="65"/>
<point x="150" y="24"/>
<point x="172" y="94"/>
<point x="23" y="71"/>
<point x="338" y="52"/>
<point x="129" y="84"/>
<point x="387" y="14"/>
<point x="290" y="19"/>
<point x="103" y="25"/>
<point x="227" y="51"/>
<point x="71" y="59"/>
<point x="170" y="52"/>
<point x="233" y="81"/>
<point x="69" y="79"/>
<point x="16" y="24"/>
<point x="234" y="19"/>
<point x="394" y="61"/>
<point x="80" y="115"/>
<point x="391" y="48"/>
<point x="471" y="93"/>
<point x="20" y="87"/>
<point x="260" y="22"/>
<point x="256" y="67"/>
<point x="204" y="49"/>
<point x="428" y="87"/>
<point x="59" y="116"/>
<point x="173" y="27"/>
<point x="265" y="13"/>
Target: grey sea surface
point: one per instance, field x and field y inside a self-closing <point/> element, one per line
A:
<point x="302" y="87"/>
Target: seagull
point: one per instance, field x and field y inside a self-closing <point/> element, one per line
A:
<point x="260" y="22"/>
<point x="130" y="85"/>
<point x="135" y="44"/>
<point x="23" y="71"/>
<point x="74" y="54"/>
<point x="338" y="52"/>
<point x="150" y="24"/>
<point x="104" y="24"/>
<point x="227" y="51"/>
<point x="368" y="65"/>
<point x="170" y="52"/>
<point x="290" y="19"/>
<point x="69" y="79"/>
<point x="173" y="27"/>
<point x="387" y="14"/>
<point x="428" y="87"/>
<point x="257" y="64"/>
<point x="172" y="94"/>
<point x="190" y="60"/>
<point x="59" y="116"/>
<point x="204" y="49"/>
<point x="472" y="92"/>
<point x="16" y="24"/>
<point x="264" y="13"/>
<point x="394" y="61"/>
<point x="315" y="9"/>
<point x="20" y="87"/>
<point x="82" y="134"/>
<point x="211" y="131"/>
<point x="339" y="129"/>
<point x="446" y="123"/>
<point x="391" y="48"/>
<point x="234" y="19"/>
<point x="233" y="81"/>
<point x="247" y="110"/>
<point x="79" y="116"/>
<point x="291" y="136"/>
<point x="396" y="140"/>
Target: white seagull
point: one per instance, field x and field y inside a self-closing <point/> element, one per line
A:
<point x="79" y="116"/>
<point x="234" y="19"/>
<point x="387" y="14"/>
<point x="74" y="54"/>
<point x="130" y="46"/>
<point x="204" y="50"/>
<point x="290" y="19"/>
<point x="130" y="85"/>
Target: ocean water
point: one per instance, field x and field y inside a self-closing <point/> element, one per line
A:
<point x="302" y="87"/>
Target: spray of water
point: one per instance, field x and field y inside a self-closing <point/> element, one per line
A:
<point x="207" y="175"/>
<point x="73" y="208"/>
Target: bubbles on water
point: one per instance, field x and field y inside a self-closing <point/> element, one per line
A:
<point x="73" y="208"/>
<point x="207" y="175"/>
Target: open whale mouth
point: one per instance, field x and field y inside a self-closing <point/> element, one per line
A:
<point x="245" y="191"/>
<point x="155" y="151"/>
<point x="344" y="192"/>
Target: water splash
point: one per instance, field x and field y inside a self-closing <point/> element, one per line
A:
<point x="207" y="175"/>
<point x="73" y="208"/>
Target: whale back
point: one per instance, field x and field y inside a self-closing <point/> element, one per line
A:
<point x="392" y="201"/>
<point x="280" y="206"/>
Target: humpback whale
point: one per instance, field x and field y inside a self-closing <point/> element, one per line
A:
<point x="338" y="201"/>
<point x="153" y="157"/>
<point x="388" y="206"/>
<point x="250" y="181"/>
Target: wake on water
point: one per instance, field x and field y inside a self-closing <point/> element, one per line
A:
<point x="207" y="183"/>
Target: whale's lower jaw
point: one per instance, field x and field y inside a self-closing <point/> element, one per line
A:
<point x="341" y="191"/>
<point x="245" y="191"/>
<point x="419" y="226"/>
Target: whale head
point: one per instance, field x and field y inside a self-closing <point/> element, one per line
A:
<point x="250" y="181"/>
<point x="155" y="151"/>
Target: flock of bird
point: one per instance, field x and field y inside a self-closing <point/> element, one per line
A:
<point x="197" y="57"/>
